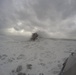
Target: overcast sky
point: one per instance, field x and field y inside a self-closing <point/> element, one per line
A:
<point x="57" y="17"/>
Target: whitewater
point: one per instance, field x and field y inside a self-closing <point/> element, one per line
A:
<point x="45" y="56"/>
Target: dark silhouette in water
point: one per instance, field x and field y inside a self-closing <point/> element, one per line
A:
<point x="34" y="36"/>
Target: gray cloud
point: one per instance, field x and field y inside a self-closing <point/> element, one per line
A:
<point x="55" y="16"/>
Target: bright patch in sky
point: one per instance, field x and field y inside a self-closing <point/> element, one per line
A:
<point x="12" y="31"/>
